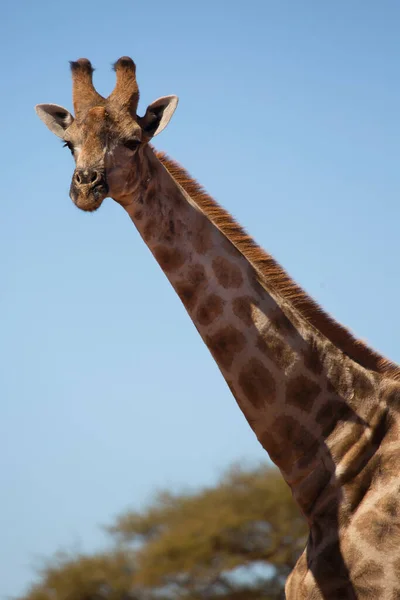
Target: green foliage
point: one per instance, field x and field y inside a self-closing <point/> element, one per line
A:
<point x="104" y="575"/>
<point x="235" y="541"/>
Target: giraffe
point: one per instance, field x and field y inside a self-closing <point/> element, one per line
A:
<point x="322" y="404"/>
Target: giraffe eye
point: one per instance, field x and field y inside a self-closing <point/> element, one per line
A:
<point x="132" y="144"/>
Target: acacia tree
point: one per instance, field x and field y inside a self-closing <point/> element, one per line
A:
<point x="235" y="541"/>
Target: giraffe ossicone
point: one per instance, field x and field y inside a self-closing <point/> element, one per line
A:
<point x="324" y="405"/>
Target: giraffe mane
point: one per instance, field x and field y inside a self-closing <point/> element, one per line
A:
<point x="275" y="277"/>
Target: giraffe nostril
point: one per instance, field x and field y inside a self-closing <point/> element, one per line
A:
<point x="88" y="178"/>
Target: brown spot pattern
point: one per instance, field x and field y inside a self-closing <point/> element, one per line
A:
<point x="240" y="401"/>
<point x="282" y="323"/>
<point x="381" y="532"/>
<point x="393" y="429"/>
<point x="187" y="292"/>
<point x="390" y="506"/>
<point x="211" y="308"/>
<point x="392" y="398"/>
<point x="228" y="274"/>
<point x="149" y="230"/>
<point x="363" y="385"/>
<point x="242" y="309"/>
<point x="332" y="411"/>
<point x="152" y="194"/>
<point x="287" y="441"/>
<point x="225" y="344"/>
<point x="302" y="391"/>
<point x="312" y="357"/>
<point x="202" y="241"/>
<point x="338" y="377"/>
<point x="196" y="274"/>
<point x="365" y="572"/>
<point x="168" y="231"/>
<point x="270" y="271"/>
<point x="189" y="289"/>
<point x="169" y="259"/>
<point x="257" y="383"/>
<point x="396" y="566"/>
<point x="275" y="348"/>
<point x="388" y="466"/>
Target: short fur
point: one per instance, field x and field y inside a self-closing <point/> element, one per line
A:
<point x="84" y="94"/>
<point x="275" y="277"/>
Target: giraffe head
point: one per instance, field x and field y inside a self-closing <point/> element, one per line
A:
<point x="105" y="134"/>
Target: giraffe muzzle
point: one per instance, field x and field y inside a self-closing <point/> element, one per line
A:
<point x="88" y="188"/>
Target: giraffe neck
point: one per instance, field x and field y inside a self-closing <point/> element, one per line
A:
<point x="306" y="401"/>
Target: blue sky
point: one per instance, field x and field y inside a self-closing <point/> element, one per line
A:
<point x="288" y="115"/>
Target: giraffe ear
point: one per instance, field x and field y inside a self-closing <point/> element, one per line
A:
<point x="55" y="117"/>
<point x="158" y="115"/>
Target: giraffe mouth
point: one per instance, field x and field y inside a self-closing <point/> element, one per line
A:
<point x="89" y="198"/>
